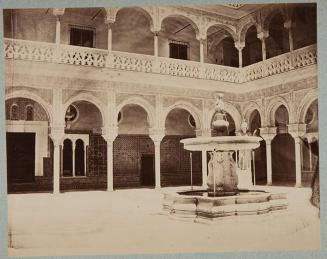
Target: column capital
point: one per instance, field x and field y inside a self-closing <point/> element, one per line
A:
<point x="311" y="136"/>
<point x="263" y="35"/>
<point x="110" y="133"/>
<point x="239" y="45"/>
<point x="109" y="23"/>
<point x="155" y="30"/>
<point x="156" y="135"/>
<point x="268" y="133"/>
<point x="296" y="130"/>
<point x="57" y="134"/>
<point x="289" y="24"/>
<point x="58" y="11"/>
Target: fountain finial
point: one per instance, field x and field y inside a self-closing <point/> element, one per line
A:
<point x="220" y="106"/>
<point x="219" y="122"/>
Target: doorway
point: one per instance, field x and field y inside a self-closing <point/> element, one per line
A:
<point x="20" y="157"/>
<point x="147" y="170"/>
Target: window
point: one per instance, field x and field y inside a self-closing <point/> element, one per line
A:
<point x="14" y="112"/>
<point x="29" y="113"/>
<point x="178" y="50"/>
<point x="82" y="36"/>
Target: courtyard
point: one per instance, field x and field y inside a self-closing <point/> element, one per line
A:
<point x="132" y="222"/>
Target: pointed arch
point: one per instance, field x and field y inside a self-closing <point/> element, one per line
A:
<point x="193" y="24"/>
<point x="188" y="107"/>
<point x="274" y="105"/>
<point x="136" y="100"/>
<point x="305" y="103"/>
<point x="29" y="95"/>
<point x="90" y="99"/>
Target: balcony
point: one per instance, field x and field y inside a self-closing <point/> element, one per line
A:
<point x="82" y="56"/>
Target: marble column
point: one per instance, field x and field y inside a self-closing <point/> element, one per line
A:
<point x="58" y="30"/>
<point x="85" y="154"/>
<point x="240" y="46"/>
<point x="269" y="164"/>
<point x="204" y="169"/>
<point x="268" y="133"/>
<point x="157" y="135"/>
<point x="109" y="36"/>
<point x="56" y="167"/>
<point x="58" y="12"/>
<point x="74" y="147"/>
<point x="156" y="44"/>
<point x="110" y="165"/>
<point x="157" y="164"/>
<point x="296" y="131"/>
<point x="288" y="25"/>
<point x="262" y="36"/>
<point x="202" y="42"/>
<point x="298" y="172"/>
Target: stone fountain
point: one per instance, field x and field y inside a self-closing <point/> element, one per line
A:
<point x="229" y="177"/>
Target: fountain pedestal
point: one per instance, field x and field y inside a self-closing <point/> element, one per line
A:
<point x="222" y="177"/>
<point x="244" y="178"/>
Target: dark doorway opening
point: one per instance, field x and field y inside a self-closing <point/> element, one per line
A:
<point x="147" y="170"/>
<point x="20" y="157"/>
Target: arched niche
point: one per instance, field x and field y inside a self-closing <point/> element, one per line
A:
<point x="278" y="41"/>
<point x="221" y="47"/>
<point x="252" y="52"/>
<point x="131" y="31"/>
<point x="178" y="38"/>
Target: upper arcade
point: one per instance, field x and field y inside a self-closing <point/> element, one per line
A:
<point x="234" y="44"/>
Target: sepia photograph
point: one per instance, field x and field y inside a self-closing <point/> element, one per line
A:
<point x="161" y="129"/>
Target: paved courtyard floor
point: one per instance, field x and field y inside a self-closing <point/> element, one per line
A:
<point x="132" y="222"/>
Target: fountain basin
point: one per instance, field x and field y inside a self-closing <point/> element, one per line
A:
<point x="198" y="205"/>
<point x="221" y="143"/>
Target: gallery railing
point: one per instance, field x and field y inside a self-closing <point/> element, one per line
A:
<point x="68" y="54"/>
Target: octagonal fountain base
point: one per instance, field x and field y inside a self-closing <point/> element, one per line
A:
<point x="199" y="205"/>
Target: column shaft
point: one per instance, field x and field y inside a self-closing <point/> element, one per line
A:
<point x="157" y="164"/>
<point x="156" y="46"/>
<point x="109" y="38"/>
<point x="298" y="162"/>
<point x="56" y="168"/>
<point x="73" y="173"/>
<point x="269" y="164"/>
<point x="110" y="165"/>
<point x="204" y="169"/>
<point x="84" y="160"/>
<point x="310" y="156"/>
<point x="201" y="51"/>
<point x="240" y="62"/>
<point x="263" y="44"/>
<point x="290" y="38"/>
<point x="58" y="30"/>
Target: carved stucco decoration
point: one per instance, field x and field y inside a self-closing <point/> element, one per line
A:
<point x="67" y="94"/>
<point x="169" y="100"/>
<point x="121" y="97"/>
<point x="45" y="94"/>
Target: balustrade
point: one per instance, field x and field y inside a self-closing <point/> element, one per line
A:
<point x="68" y="54"/>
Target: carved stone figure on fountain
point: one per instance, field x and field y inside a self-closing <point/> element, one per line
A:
<point x="244" y="161"/>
